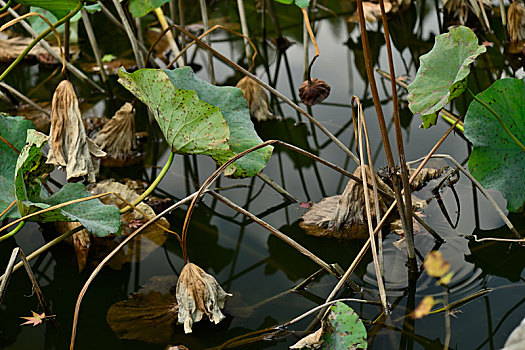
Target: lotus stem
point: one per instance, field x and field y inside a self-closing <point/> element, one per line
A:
<point x="169" y="35"/>
<point x="129" y="32"/>
<point x="94" y="45"/>
<point x="204" y="14"/>
<point x="13" y="232"/>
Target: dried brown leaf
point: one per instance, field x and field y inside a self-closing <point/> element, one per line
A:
<point x="372" y="12"/>
<point x="516" y="26"/>
<point x="117" y="138"/>
<point x="256" y="98"/>
<point x="311" y="341"/>
<point x="199" y="294"/>
<point x="69" y="145"/>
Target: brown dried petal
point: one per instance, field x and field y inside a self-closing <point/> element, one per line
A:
<point x="256" y="98"/>
<point x="314" y="92"/>
<point x="198" y="294"/>
<point x="69" y="145"/>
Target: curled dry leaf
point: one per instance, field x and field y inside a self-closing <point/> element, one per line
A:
<point x="256" y="98"/>
<point x="311" y="341"/>
<point x="198" y="294"/>
<point x="344" y="216"/>
<point x="424" y="307"/>
<point x="313" y="92"/>
<point x="117" y="138"/>
<point x="69" y="145"/>
<point x="516" y="27"/>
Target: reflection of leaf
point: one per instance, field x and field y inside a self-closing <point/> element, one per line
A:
<point x="344" y="329"/>
<point x="147" y="315"/>
<point x="496" y="160"/>
<point x="423" y="307"/>
<point x="435" y="265"/>
<point x="14" y="130"/>
<point x="376" y="40"/>
<point x="441" y="76"/>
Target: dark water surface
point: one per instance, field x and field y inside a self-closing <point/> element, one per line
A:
<point x="257" y="267"/>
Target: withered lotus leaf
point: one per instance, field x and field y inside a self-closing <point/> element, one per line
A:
<point x="313" y="92"/>
<point x="70" y="147"/>
<point x="198" y="294"/>
<point x="256" y="98"/>
<point x="117" y="137"/>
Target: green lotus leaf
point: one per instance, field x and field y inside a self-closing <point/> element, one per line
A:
<point x="443" y="72"/>
<point x="14" y="131"/>
<point x="193" y="126"/>
<point x="496" y="160"/>
<point x="298" y="3"/>
<point x="60" y="8"/>
<point x="140" y="8"/>
<point x="234" y="108"/>
<point x="344" y="329"/>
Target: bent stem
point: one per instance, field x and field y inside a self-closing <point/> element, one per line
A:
<point x="312" y="37"/>
<point x="498" y="117"/>
<point x="13" y="232"/>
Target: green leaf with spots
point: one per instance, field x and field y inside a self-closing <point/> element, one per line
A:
<point x="140" y="8"/>
<point x="496" y="161"/>
<point x="298" y="3"/>
<point x="14" y="131"/>
<point x="443" y="72"/>
<point x="231" y="102"/>
<point x="343" y="330"/>
<point x="99" y="219"/>
<point x="192" y="126"/>
<point x="60" y="8"/>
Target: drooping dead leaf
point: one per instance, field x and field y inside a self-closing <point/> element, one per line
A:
<point x="516" y="27"/>
<point x="371" y="11"/>
<point x="424" y="307"/>
<point x="147" y="315"/>
<point x="139" y="248"/>
<point x="256" y="98"/>
<point x="311" y="341"/>
<point x="435" y="265"/>
<point x="69" y="145"/>
<point x="313" y="92"/>
<point x="198" y="294"/>
<point x="118" y="139"/>
<point x="344" y="216"/>
<point x="81" y="241"/>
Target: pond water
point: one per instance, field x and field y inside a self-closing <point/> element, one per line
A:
<point x="257" y="267"/>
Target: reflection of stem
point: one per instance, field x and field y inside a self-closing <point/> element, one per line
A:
<point x="312" y="37"/>
<point x="498" y="117"/>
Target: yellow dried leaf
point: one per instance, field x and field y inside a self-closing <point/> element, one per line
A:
<point x="435" y="265"/>
<point x="424" y="307"/>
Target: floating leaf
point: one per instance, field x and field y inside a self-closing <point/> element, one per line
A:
<point x="36" y="319"/>
<point x="344" y="329"/>
<point x="496" y="161"/>
<point x="14" y="131"/>
<point x="435" y="265"/>
<point x="424" y="307"/>
<point x="443" y="72"/>
<point x="234" y="108"/>
<point x="311" y="341"/>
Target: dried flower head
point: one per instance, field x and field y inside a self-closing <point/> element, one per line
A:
<point x="313" y="92"/>
<point x="256" y="98"/>
<point x="70" y="147"/>
<point x="198" y="294"/>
